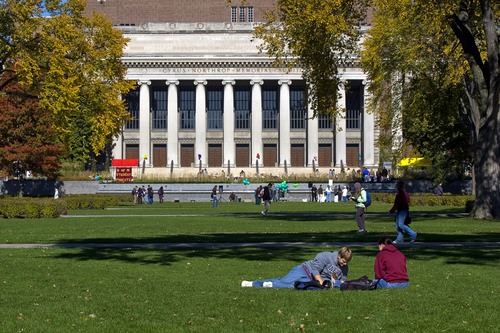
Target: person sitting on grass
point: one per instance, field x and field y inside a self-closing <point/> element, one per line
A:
<point x="326" y="266"/>
<point x="390" y="266"/>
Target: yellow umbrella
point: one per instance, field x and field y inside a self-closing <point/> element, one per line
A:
<point x="415" y="161"/>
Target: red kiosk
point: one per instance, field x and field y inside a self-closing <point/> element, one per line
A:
<point x="123" y="169"/>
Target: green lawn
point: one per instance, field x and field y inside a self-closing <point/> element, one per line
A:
<point x="197" y="289"/>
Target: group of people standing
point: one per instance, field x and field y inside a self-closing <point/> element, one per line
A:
<point x="143" y="195"/>
<point x="330" y="194"/>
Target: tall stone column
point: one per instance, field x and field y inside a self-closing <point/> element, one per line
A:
<point x="257" y="145"/>
<point x="173" y="124"/>
<point x="118" y="145"/>
<point x="229" y="145"/>
<point x="368" y="134"/>
<point x="312" y="137"/>
<point x="285" y="149"/>
<point x="201" y="121"/>
<point x="340" y="135"/>
<point x="144" y="124"/>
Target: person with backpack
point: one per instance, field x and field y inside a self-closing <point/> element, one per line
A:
<point x="213" y="196"/>
<point x="266" y="197"/>
<point x="326" y="266"/>
<point x="360" y="198"/>
<point x="402" y="208"/>
<point x="390" y="266"/>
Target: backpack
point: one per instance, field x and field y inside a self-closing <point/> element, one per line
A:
<point x="362" y="283"/>
<point x="312" y="285"/>
<point x="368" y="201"/>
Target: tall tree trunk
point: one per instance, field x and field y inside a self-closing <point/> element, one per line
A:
<point x="483" y="92"/>
<point x="487" y="171"/>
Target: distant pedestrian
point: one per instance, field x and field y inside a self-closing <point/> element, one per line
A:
<point x="384" y="174"/>
<point x="139" y="195"/>
<point x="328" y="192"/>
<point x="344" y="194"/>
<point x="266" y="197"/>
<point x="161" y="194"/>
<point x="360" y="198"/>
<point x="314" y="193"/>
<point x="134" y="194"/>
<point x="438" y="190"/>
<point x="402" y="208"/>
<point x="213" y="196"/>
<point x="144" y="195"/>
<point x="150" y="194"/>
<point x="258" y="195"/>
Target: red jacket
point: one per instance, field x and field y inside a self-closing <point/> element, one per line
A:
<point x="390" y="265"/>
<point x="401" y="202"/>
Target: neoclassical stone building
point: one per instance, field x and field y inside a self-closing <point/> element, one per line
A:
<point x="206" y="97"/>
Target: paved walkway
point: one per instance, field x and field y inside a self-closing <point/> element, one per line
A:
<point x="249" y="244"/>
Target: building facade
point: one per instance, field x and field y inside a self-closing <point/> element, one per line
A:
<point x="207" y="99"/>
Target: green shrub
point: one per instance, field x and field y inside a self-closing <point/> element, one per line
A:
<point x="13" y="211"/>
<point x="50" y="211"/>
<point x="32" y="210"/>
<point x="426" y="199"/>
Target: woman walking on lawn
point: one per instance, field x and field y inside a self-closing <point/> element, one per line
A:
<point x="326" y="266"/>
<point x="360" y="199"/>
<point x="402" y="207"/>
<point x="390" y="266"/>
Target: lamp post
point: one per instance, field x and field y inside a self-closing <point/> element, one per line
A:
<point x="257" y="165"/>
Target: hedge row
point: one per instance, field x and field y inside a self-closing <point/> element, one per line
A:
<point x="14" y="207"/>
<point x="427" y="199"/>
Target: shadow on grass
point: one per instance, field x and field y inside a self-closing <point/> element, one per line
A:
<point x="164" y="249"/>
<point x="168" y="256"/>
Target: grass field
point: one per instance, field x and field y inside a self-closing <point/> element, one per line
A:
<point x="148" y="286"/>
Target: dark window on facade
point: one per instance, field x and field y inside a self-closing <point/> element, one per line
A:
<point x="159" y="107"/>
<point x="234" y="14"/>
<point x="132" y="100"/>
<point x="215" y="107"/>
<point x="187" y="108"/>
<point x="269" y="108"/>
<point x="354" y="100"/>
<point x="297" y="109"/>
<point x="242" y="107"/>
<point x="325" y="122"/>
<point x="242" y="14"/>
<point x="249" y="14"/>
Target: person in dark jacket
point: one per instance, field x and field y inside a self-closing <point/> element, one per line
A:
<point x="267" y="197"/>
<point x="390" y="266"/>
<point x="402" y="208"/>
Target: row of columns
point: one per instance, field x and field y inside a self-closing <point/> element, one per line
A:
<point x="145" y="145"/>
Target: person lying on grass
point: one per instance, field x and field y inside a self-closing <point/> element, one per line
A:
<point x="328" y="268"/>
<point x="390" y="266"/>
